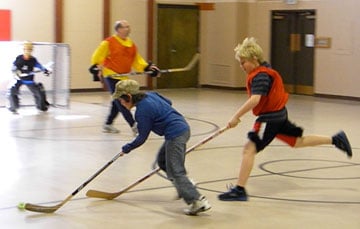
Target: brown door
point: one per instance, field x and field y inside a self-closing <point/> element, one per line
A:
<point x="178" y="42"/>
<point x="292" y="49"/>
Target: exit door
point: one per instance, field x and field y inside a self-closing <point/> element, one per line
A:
<point x="292" y="49"/>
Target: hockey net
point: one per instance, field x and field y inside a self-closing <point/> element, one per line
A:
<point x="57" y="85"/>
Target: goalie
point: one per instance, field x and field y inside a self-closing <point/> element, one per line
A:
<point x="23" y="71"/>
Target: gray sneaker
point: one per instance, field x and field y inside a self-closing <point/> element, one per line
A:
<point x="110" y="129"/>
<point x="200" y="205"/>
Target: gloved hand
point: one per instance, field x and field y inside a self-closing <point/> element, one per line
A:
<point x="94" y="70"/>
<point x="126" y="148"/>
<point x="153" y="68"/>
<point x="46" y="72"/>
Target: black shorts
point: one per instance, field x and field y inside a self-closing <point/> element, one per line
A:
<point x="265" y="129"/>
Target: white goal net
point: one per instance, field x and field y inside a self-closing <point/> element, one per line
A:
<point x="55" y="56"/>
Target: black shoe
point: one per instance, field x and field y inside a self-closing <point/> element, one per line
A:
<point x="234" y="194"/>
<point x="341" y="141"/>
<point x="12" y="110"/>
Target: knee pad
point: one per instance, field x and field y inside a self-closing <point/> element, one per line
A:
<point x="254" y="137"/>
<point x="12" y="91"/>
<point x="41" y="103"/>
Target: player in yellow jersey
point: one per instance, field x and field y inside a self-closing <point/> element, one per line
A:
<point x="118" y="54"/>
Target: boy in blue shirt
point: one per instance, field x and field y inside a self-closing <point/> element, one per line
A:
<point x="155" y="113"/>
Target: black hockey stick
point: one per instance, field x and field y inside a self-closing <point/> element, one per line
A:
<point x="47" y="66"/>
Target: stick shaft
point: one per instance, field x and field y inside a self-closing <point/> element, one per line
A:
<point x="48" y="65"/>
<point x="202" y="142"/>
<point x="188" y="67"/>
<point x="110" y="196"/>
<point x="51" y="209"/>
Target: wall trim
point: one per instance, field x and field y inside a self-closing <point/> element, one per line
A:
<point x="342" y="97"/>
<point x="59" y="19"/>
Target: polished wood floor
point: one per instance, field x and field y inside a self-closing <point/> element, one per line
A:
<point x="46" y="156"/>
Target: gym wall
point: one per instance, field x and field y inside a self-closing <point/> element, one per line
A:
<point x="335" y="67"/>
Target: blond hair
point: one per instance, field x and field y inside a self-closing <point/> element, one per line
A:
<point x="249" y="49"/>
<point x="28" y="45"/>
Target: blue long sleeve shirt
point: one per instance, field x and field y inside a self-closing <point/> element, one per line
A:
<point x="155" y="113"/>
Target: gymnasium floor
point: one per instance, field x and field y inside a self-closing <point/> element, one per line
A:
<point x="47" y="156"/>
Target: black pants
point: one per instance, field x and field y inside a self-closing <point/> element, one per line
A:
<point x="37" y="89"/>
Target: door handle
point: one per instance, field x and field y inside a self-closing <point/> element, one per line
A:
<point x="295" y="42"/>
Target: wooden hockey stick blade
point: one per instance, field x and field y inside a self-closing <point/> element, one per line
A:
<point x="49" y="64"/>
<point x="46" y="209"/>
<point x="188" y="67"/>
<point x="51" y="209"/>
<point x="112" y="195"/>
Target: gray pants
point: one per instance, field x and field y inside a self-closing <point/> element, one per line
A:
<point x="171" y="159"/>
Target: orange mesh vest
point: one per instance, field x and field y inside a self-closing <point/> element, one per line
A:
<point x="276" y="98"/>
<point x="120" y="58"/>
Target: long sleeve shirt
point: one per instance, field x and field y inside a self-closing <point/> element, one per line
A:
<point x="155" y="113"/>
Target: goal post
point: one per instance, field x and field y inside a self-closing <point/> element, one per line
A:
<point x="57" y="85"/>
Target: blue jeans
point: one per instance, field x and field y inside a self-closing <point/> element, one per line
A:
<point x="116" y="106"/>
<point x="171" y="159"/>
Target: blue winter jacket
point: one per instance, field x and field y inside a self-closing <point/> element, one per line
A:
<point x="155" y="113"/>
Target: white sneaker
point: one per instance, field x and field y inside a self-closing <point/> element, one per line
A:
<point x="110" y="129"/>
<point x="200" y="205"/>
<point x="135" y="129"/>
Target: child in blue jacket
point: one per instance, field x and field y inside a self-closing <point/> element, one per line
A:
<point x="155" y="113"/>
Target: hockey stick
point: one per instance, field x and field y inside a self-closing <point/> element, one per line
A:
<point x="112" y="195"/>
<point x="51" y="209"/>
<point x="47" y="66"/>
<point x="188" y="67"/>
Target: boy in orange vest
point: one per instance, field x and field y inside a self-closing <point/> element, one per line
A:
<point x="267" y="100"/>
